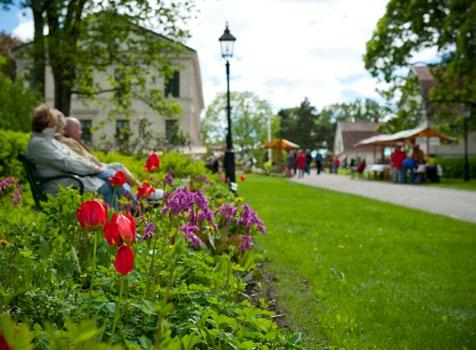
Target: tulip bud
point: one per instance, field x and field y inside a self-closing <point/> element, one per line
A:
<point x="124" y="261"/>
<point x="153" y="162"/>
<point x="92" y="214"/>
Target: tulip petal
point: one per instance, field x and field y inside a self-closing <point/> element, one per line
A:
<point x="124" y="261"/>
<point x="111" y="234"/>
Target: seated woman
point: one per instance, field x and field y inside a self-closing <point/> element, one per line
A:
<point x="52" y="157"/>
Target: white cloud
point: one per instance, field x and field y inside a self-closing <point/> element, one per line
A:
<point x="287" y="50"/>
<point x="24" y="30"/>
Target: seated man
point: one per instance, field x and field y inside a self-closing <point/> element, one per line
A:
<point x="69" y="132"/>
<point x="359" y="168"/>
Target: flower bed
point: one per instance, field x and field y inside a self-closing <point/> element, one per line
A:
<point x="164" y="275"/>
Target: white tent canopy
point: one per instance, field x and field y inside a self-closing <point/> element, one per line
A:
<point x="402" y="137"/>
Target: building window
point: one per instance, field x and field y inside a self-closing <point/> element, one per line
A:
<point x="172" y="87"/>
<point x="171" y="130"/>
<point x="86" y="126"/>
<point x="122" y="131"/>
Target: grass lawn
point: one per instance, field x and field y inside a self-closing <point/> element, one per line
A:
<point x="457" y="184"/>
<point x="356" y="273"/>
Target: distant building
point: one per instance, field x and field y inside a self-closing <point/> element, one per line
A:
<point x="185" y="87"/>
<point x="428" y="81"/>
<point x="349" y="133"/>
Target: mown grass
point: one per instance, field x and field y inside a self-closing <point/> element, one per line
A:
<point x="458" y="184"/>
<point x="356" y="273"/>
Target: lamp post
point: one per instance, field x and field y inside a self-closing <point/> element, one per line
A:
<point x="466" y="115"/>
<point x="227" y="42"/>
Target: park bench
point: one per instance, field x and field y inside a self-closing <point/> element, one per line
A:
<point x="37" y="182"/>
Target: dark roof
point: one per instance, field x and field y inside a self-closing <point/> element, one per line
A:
<point x="358" y="126"/>
<point x="426" y="80"/>
<point x="350" y="138"/>
<point x="353" y="132"/>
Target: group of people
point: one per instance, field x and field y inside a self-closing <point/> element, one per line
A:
<point x="300" y="162"/>
<point x="55" y="147"/>
<point x="406" y="166"/>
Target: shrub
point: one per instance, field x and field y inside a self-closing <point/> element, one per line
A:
<point x="17" y="103"/>
<point x="11" y="143"/>
<point x="453" y="167"/>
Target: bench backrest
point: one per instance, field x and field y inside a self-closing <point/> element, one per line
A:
<point x="35" y="185"/>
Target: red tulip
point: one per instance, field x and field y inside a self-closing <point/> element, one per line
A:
<point x="153" y="162"/>
<point x="242" y="178"/>
<point x="145" y="190"/>
<point x="121" y="229"/>
<point x="92" y="214"/>
<point x="118" y="179"/>
<point x="4" y="344"/>
<point x="124" y="261"/>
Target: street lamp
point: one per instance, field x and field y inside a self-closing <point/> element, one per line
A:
<point x="466" y="115"/>
<point x="227" y="41"/>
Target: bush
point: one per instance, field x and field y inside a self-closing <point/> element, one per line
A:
<point x="11" y="143"/>
<point x="453" y="167"/>
<point x="17" y="103"/>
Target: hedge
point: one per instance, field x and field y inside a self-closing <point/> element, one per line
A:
<point x="453" y="167"/>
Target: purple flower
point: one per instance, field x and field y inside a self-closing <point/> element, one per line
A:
<point x="227" y="211"/>
<point x="180" y="201"/>
<point x="169" y="179"/>
<point x="249" y="218"/>
<point x="17" y="194"/>
<point x="149" y="229"/>
<point x="246" y="243"/>
<point x="189" y="233"/>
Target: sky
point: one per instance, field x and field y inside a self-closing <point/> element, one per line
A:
<point x="286" y="50"/>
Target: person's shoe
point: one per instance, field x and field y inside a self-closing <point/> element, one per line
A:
<point x="157" y="195"/>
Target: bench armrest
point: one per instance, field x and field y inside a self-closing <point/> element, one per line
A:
<point x="76" y="178"/>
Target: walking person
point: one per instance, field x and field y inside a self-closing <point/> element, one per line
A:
<point x="318" y="163"/>
<point x="300" y="163"/>
<point x="307" y="167"/>
<point x="396" y="160"/>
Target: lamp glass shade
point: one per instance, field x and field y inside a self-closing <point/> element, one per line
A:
<point x="227" y="42"/>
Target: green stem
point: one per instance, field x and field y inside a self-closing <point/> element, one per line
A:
<point x="118" y="307"/>
<point x="94" y="260"/>
<point x="152" y="266"/>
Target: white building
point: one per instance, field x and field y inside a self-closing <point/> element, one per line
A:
<point x="185" y="87"/>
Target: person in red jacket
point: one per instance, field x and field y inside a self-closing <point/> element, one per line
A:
<point x="396" y="160"/>
<point x="300" y="163"/>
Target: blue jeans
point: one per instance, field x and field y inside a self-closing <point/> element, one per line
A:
<point x="404" y="174"/>
<point x="396" y="175"/>
<point x="110" y="193"/>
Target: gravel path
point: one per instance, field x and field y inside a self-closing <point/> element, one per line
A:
<point x="457" y="204"/>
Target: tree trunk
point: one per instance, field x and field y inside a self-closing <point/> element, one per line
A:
<point x="38" y="70"/>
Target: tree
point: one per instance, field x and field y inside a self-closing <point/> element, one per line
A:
<point x="410" y="26"/>
<point x="298" y="124"/>
<point x="359" y="110"/>
<point x="7" y="44"/>
<point x="249" y="119"/>
<point x="86" y="36"/>
<point x="17" y="102"/>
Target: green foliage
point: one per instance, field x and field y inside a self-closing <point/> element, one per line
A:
<point x="249" y="119"/>
<point x="12" y="143"/>
<point x="409" y="27"/>
<point x="453" y="167"/>
<point x="177" y="297"/>
<point x="17" y="103"/>
<point x="182" y="166"/>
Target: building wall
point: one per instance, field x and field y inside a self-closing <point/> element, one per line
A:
<point x="98" y="110"/>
